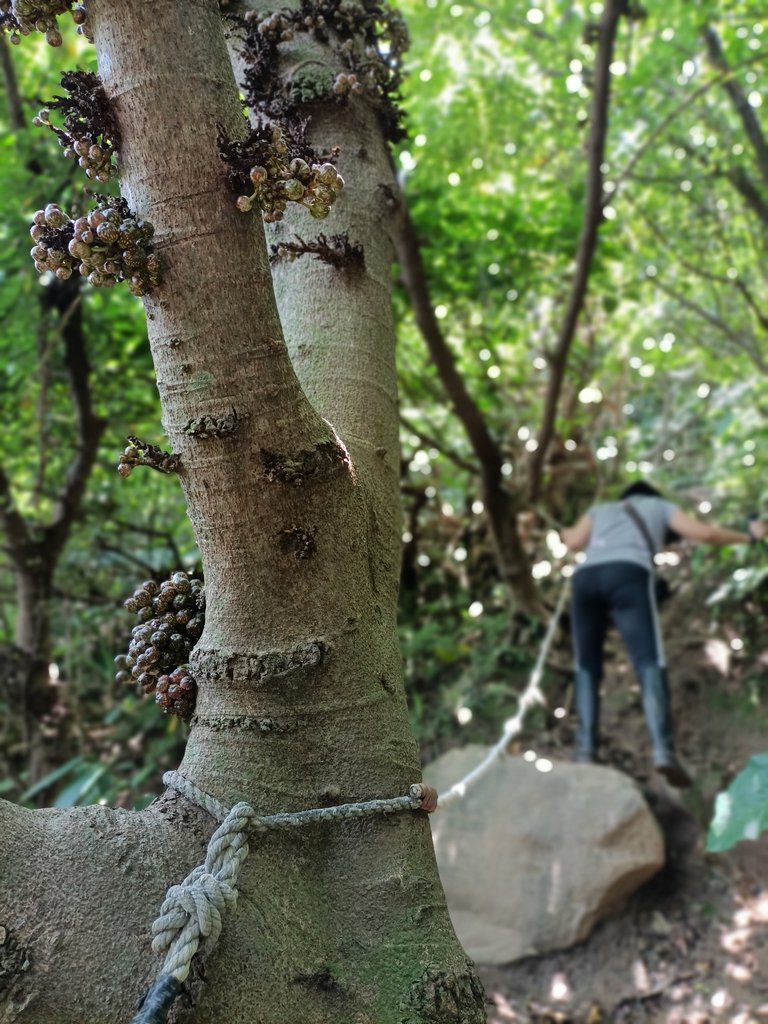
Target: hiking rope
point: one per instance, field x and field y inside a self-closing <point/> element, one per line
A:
<point x="191" y="915"/>
<point x="531" y="695"/>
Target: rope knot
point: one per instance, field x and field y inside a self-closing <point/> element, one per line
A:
<point x="196" y="906"/>
<point x="192" y="911"/>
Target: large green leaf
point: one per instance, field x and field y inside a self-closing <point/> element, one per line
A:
<point x="741" y="812"/>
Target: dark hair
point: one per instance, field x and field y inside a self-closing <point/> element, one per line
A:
<point x="641" y="487"/>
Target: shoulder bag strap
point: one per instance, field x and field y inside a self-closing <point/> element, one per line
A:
<point x="637" y="519"/>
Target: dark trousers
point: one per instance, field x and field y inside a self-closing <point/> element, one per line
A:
<point x="621" y="593"/>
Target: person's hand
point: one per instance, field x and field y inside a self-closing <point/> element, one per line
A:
<point x="757" y="529"/>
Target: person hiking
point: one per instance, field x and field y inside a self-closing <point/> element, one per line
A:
<point x="616" y="583"/>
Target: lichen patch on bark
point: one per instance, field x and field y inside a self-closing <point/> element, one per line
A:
<point x="301" y="467"/>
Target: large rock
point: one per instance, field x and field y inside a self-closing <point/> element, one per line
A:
<point x="530" y="860"/>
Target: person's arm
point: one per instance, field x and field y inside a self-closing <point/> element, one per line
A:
<point x="577" y="537"/>
<point x="711" y="533"/>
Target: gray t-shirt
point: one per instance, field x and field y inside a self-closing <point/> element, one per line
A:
<point x="616" y="537"/>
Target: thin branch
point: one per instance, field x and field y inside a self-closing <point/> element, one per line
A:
<point x="753" y="351"/>
<point x="415" y="278"/>
<point x="90" y="427"/>
<point x="148" y="531"/>
<point x="698" y="270"/>
<point x="593" y="211"/>
<point x="445" y="450"/>
<point x="744" y="185"/>
<point x="737" y="176"/>
<point x="112" y="549"/>
<point x="15" y="106"/>
<point x="662" y="126"/>
<point x="741" y="104"/>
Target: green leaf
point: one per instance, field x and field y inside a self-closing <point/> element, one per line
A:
<point x="80" y="787"/>
<point x="741" y="812"/>
<point x="51" y="777"/>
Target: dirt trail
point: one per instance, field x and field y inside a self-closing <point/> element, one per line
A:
<point x="692" y="945"/>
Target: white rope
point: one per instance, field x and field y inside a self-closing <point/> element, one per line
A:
<point x="191" y="915"/>
<point x="531" y="695"/>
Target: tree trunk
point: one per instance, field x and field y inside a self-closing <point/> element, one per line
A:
<point x="300" y="700"/>
<point x="34" y="585"/>
<point x="501" y="506"/>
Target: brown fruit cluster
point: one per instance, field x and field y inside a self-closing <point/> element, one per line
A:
<point x="276" y="27"/>
<point x="89" y="134"/>
<point x="95" y="160"/>
<point x="129" y="458"/>
<point x="276" y="179"/>
<point x="170" y="617"/>
<point x="347" y="84"/>
<point x="20" y="17"/>
<point x="106" y="246"/>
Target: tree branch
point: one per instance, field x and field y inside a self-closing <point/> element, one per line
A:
<point x="700" y="271"/>
<point x="66" y="298"/>
<point x="501" y="506"/>
<point x="662" y="126"/>
<point x="744" y="185"/>
<point x="14" y="526"/>
<point x="15" y="107"/>
<point x="593" y="212"/>
<point x="739" y="100"/>
<point x="415" y="278"/>
<point x="753" y="351"/>
<point x="444" y="449"/>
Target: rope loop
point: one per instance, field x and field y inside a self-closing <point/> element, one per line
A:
<point x="192" y="912"/>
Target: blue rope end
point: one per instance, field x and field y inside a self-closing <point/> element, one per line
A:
<point x="157" y="1000"/>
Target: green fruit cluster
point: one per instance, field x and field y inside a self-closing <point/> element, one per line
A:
<point x="170" y="618"/>
<point x="20" y="17"/>
<point x="106" y="246"/>
<point x="277" y="180"/>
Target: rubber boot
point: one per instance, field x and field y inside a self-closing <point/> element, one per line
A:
<point x="586" y="701"/>
<point x="653" y="683"/>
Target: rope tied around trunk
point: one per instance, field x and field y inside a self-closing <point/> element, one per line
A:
<point x="191" y="916"/>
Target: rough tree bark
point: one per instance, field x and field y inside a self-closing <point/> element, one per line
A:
<point x="292" y="491"/>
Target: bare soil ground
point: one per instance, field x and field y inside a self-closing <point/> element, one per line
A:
<point x="692" y="945"/>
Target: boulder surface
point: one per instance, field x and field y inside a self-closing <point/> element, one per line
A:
<point x="537" y="852"/>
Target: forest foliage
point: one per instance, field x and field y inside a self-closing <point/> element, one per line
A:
<point x="665" y="378"/>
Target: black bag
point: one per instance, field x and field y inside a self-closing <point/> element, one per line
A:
<point x="662" y="588"/>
